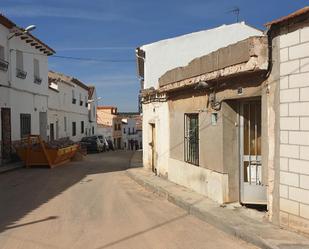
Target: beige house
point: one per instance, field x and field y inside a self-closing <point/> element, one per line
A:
<point x="108" y="116"/>
<point x="233" y="121"/>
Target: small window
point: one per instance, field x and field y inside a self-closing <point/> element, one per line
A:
<point x="124" y="130"/>
<point x="19" y="60"/>
<point x="73" y="97"/>
<point x="36" y="71"/>
<point x="82" y="127"/>
<point x="191" y="138"/>
<point x="129" y="130"/>
<point x="73" y="129"/>
<point x="2" y="57"/>
<point x="92" y="130"/>
<point x="25" y="125"/>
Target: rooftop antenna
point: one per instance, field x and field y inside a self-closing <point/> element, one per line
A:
<point x="236" y="12"/>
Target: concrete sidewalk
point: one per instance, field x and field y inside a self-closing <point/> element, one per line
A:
<point x="236" y="221"/>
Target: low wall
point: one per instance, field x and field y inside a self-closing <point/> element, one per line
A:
<point x="204" y="181"/>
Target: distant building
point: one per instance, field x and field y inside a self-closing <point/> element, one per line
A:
<point x="131" y="132"/>
<point x="23" y="86"/>
<point x="108" y="116"/>
<point x="70" y="111"/>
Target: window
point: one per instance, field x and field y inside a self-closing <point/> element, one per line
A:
<point x="124" y="130"/>
<point x="73" y="97"/>
<point x="2" y="57"/>
<point x="3" y="64"/>
<point x="25" y="125"/>
<point x="20" y="73"/>
<point x="191" y="139"/>
<point x="73" y="129"/>
<point x="65" y="123"/>
<point x="82" y="127"/>
<point x="19" y="60"/>
<point x="129" y="130"/>
<point x="36" y="71"/>
<point x="92" y="130"/>
<point x="80" y="100"/>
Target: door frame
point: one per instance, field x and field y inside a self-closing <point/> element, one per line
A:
<point x="247" y="189"/>
<point x="153" y="148"/>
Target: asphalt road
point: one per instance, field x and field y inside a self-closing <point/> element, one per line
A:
<point x="93" y="204"/>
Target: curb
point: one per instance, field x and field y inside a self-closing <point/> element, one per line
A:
<point x="214" y="216"/>
<point x="6" y="169"/>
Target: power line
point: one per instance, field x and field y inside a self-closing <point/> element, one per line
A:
<point x="84" y="58"/>
<point x="91" y="59"/>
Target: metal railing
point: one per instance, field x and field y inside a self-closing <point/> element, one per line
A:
<point x="37" y="80"/>
<point x="21" y="73"/>
<point x="4" y="65"/>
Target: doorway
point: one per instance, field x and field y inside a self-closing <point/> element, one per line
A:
<point x="6" y="133"/>
<point x="253" y="190"/>
<point x="153" y="148"/>
<point x="43" y="125"/>
<point x="52" y="132"/>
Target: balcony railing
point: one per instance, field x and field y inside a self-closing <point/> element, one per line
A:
<point x="21" y="74"/>
<point x="37" y="80"/>
<point x="4" y="65"/>
<point x="73" y="101"/>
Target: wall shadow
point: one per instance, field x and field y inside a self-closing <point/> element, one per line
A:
<point x="23" y="191"/>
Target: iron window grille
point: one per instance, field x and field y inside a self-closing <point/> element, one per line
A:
<point x="21" y="73"/>
<point x="25" y="125"/>
<point x="4" y="65"/>
<point x="191" y="145"/>
<point x="37" y="80"/>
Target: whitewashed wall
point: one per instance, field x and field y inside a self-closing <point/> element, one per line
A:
<point x="167" y="54"/>
<point x="60" y="105"/>
<point x="23" y="95"/>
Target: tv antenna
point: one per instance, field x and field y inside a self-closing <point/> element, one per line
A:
<point x="236" y="12"/>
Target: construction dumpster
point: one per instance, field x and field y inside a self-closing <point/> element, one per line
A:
<point x="35" y="152"/>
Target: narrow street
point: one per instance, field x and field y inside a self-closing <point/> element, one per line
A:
<point x="94" y="204"/>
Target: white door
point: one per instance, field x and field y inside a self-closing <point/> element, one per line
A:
<point x="253" y="190"/>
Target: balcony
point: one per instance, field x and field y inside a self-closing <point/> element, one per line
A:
<point x="4" y="65"/>
<point x="21" y="74"/>
<point x="73" y="101"/>
<point x="37" y="80"/>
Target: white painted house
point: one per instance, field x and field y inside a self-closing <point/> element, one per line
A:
<point x="70" y="111"/>
<point x="156" y="59"/>
<point x="23" y="85"/>
<point x="131" y="136"/>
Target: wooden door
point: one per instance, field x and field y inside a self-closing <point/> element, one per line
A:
<point x="6" y="133"/>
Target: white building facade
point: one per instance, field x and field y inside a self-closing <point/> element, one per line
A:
<point x="70" y="112"/>
<point x="23" y="85"/>
<point x="131" y="136"/>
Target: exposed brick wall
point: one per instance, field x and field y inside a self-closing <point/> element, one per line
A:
<point x="294" y="129"/>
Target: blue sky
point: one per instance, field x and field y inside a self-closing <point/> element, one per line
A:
<point x="112" y="29"/>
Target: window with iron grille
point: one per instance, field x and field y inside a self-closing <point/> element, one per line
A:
<point x="25" y="125"/>
<point x="191" y="139"/>
<point x="73" y="129"/>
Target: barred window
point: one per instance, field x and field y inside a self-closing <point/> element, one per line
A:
<point x="191" y="138"/>
<point x="25" y="125"/>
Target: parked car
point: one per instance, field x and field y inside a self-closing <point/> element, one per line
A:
<point x="104" y="141"/>
<point x="92" y="143"/>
